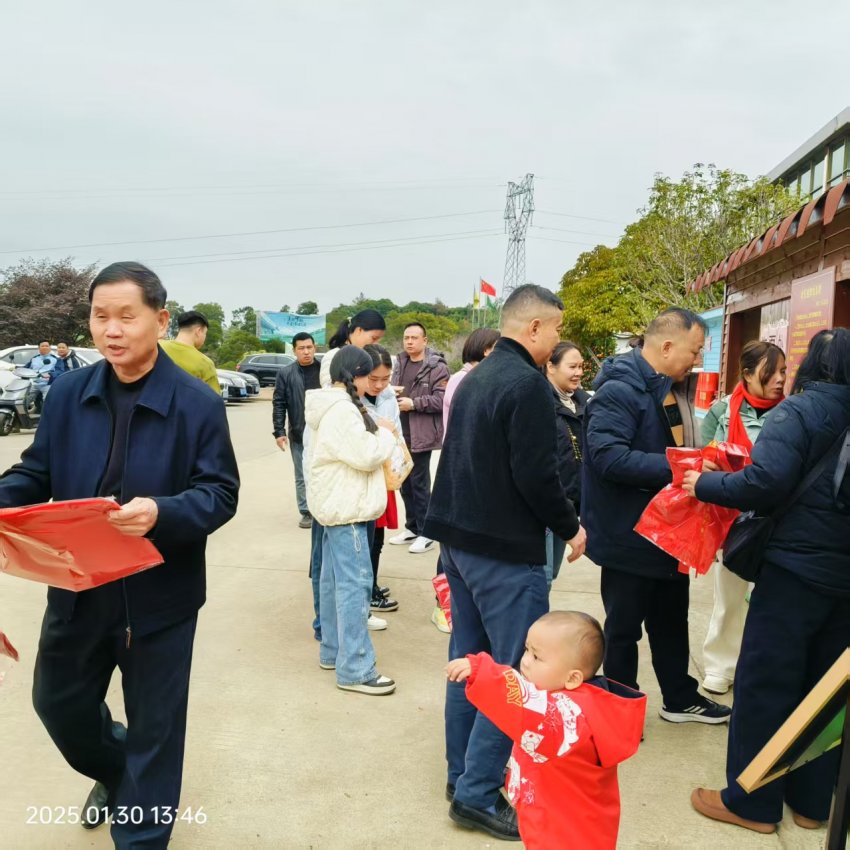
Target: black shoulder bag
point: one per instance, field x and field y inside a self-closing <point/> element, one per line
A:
<point x="748" y="537"/>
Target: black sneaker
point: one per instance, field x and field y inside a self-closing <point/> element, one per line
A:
<point x="383" y="591"/>
<point x="306" y="521"/>
<point x="383" y="603"/>
<point x="502" y="824"/>
<point x="378" y="686"/>
<point x="704" y="710"/>
<point x="450" y="792"/>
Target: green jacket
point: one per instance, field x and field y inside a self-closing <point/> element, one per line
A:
<point x="190" y="360"/>
<point x="715" y="426"/>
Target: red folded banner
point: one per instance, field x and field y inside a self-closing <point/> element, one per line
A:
<point x="71" y="545"/>
<point x="682" y="526"/>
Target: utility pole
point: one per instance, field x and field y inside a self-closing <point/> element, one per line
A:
<point x="519" y="208"/>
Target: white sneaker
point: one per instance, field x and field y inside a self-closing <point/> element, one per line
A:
<point x="420" y="545"/>
<point x="402" y="539"/>
<point x="375" y="624"/>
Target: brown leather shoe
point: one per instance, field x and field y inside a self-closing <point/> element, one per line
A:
<point x="806" y="823"/>
<point x="707" y="802"/>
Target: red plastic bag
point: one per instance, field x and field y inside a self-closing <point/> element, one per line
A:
<point x="71" y="545"/>
<point x="684" y="527"/>
<point x="444" y="595"/>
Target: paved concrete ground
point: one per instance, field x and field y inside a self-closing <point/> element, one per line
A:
<point x="278" y="757"/>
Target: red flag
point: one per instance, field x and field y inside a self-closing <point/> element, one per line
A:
<point x="487" y="288"/>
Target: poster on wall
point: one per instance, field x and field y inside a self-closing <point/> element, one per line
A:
<point x="812" y="302"/>
<point x="774" y="323"/>
<point x="284" y="326"/>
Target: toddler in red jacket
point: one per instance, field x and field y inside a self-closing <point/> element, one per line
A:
<point x="570" y="731"/>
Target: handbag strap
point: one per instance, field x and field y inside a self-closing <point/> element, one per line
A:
<point x="842" y="445"/>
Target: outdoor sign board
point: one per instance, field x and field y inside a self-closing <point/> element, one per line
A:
<point x="284" y="326"/>
<point x="812" y="306"/>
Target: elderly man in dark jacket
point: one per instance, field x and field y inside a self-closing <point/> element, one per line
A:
<point x="290" y="390"/>
<point x="156" y="439"/>
<point x="497" y="491"/>
<point x="422" y="374"/>
<point x="628" y="425"/>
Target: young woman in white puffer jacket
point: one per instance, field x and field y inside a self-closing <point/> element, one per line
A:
<point x="344" y="453"/>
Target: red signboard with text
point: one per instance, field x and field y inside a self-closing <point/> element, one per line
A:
<point x="812" y="305"/>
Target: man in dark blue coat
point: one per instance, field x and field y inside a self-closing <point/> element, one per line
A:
<point x="156" y="439"/>
<point x="496" y="492"/>
<point x="629" y="423"/>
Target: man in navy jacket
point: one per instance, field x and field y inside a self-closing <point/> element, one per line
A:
<point x="496" y="492"/>
<point x="629" y="423"/>
<point x="156" y="439"/>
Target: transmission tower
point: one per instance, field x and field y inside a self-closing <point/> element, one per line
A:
<point x="519" y="208"/>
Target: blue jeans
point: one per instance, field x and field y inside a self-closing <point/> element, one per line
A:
<point x="493" y="605"/>
<point x="297" y="450"/>
<point x="316" y="542"/>
<point x="346" y="590"/>
<point x="555" y="549"/>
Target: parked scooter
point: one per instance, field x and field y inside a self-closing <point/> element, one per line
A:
<point x="20" y="400"/>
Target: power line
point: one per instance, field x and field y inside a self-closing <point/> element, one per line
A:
<point x="570" y="230"/>
<point x="564" y="241"/>
<point x="257" y="188"/>
<point x="259" y="251"/>
<point x="248" y="233"/>
<point x="335" y="251"/>
<point x="582" y="217"/>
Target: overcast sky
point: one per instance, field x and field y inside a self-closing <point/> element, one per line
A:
<point x="185" y="121"/>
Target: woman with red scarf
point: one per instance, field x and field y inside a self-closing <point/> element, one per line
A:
<point x="738" y="418"/>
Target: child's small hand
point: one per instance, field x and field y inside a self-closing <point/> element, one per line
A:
<point x="458" y="670"/>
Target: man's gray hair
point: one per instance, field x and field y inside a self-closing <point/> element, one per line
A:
<point x="525" y="302"/>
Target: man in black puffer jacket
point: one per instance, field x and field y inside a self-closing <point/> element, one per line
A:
<point x="628" y="425"/>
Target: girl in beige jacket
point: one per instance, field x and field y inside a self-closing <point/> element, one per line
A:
<point x="344" y="453"/>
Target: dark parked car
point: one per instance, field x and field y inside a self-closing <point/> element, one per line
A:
<point x="264" y="367"/>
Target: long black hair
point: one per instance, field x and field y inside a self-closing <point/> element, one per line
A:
<point x="367" y="320"/>
<point x="351" y="363"/>
<point x="814" y="365"/>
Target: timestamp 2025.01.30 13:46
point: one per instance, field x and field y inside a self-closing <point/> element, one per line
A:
<point x="43" y="815"/>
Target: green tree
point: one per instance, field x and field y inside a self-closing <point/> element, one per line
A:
<point x="245" y="318"/>
<point x="307" y="308"/>
<point x="284" y="309"/>
<point x="691" y="224"/>
<point x="215" y="316"/>
<point x="598" y="302"/>
<point x="40" y="299"/>
<point x="441" y="330"/>
<point x="174" y="310"/>
<point x="235" y="344"/>
<point x="686" y="227"/>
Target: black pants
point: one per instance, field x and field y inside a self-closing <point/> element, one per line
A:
<point x="416" y="492"/>
<point x="632" y="601"/>
<point x="793" y="635"/>
<point x="376" y="546"/>
<point x="73" y="668"/>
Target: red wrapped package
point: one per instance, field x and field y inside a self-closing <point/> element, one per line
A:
<point x="71" y="545"/>
<point x="444" y="595"/>
<point x="684" y="527"/>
